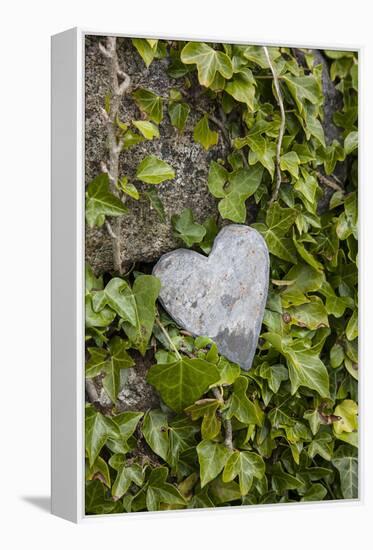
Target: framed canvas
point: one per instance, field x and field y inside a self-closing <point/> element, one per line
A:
<point x="204" y="274"/>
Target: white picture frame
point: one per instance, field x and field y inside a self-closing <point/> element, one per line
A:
<point x="68" y="195"/>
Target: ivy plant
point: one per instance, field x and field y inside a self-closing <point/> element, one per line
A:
<point x="287" y="429"/>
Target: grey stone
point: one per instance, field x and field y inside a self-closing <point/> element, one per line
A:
<point x="144" y="238"/>
<point x="222" y="296"/>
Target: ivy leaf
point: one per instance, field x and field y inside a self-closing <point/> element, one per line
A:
<point x="241" y="407"/>
<point x="156" y="203"/>
<point x="145" y="292"/>
<point x="130" y="139"/>
<point x="303" y="89"/>
<point x="109" y="362"/>
<point x="148" y="129"/>
<point x="322" y="444"/>
<point x="181" y="436"/>
<point x="352" y="326"/>
<point x="203" y="135"/>
<point x="290" y="162"/>
<point x="211" y="231"/>
<point x="278" y="222"/>
<point x="351" y="142"/>
<point x="154" y="170"/>
<point x="99" y="470"/>
<point x="346" y="462"/>
<point x="98" y="428"/>
<point x="187" y="229"/>
<point x="347" y="410"/>
<point x="242" y="88"/>
<point x="305" y="366"/>
<point x="242" y="184"/>
<point x="146" y="48"/>
<point x="155" y="431"/>
<point x="312" y="315"/>
<point x="96" y="500"/>
<point x="256" y="55"/>
<point x="212" y="458"/>
<point x="274" y="374"/>
<point x="160" y="491"/>
<point x="261" y="150"/>
<point x="150" y="104"/>
<point x="208" y="61"/>
<point x="93" y="319"/>
<point x="246" y="466"/>
<point x="178" y="113"/>
<point x="206" y="409"/>
<point x="129" y="189"/>
<point x="118" y="295"/>
<point x="182" y="382"/>
<point x="100" y="202"/>
<point x="125" y="476"/>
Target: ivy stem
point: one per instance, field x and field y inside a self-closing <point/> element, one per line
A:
<point x="167" y="336"/>
<point x="119" y="84"/>
<point x="228" y="440"/>
<point x="282" y="125"/>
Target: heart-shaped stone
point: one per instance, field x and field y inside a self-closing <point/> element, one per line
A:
<point x="222" y="296"/>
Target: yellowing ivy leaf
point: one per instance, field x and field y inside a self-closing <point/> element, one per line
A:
<point x="148" y="129"/>
<point x="154" y="170"/>
<point x="146" y="48"/>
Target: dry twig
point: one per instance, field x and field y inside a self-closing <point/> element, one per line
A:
<point x="119" y="85"/>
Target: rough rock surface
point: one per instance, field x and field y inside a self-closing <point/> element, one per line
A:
<point x="221" y="296"/>
<point x="143" y="237"/>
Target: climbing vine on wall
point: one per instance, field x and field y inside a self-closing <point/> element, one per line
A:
<point x="286" y="430"/>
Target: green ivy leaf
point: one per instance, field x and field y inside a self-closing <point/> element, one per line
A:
<point x="182" y="382"/>
<point x="305" y="366"/>
<point x="156" y="203"/>
<point x="346" y="462"/>
<point x="208" y="61"/>
<point x="241" y="407"/>
<point x="242" y="88"/>
<point x="206" y="409"/>
<point x="351" y="142"/>
<point x="212" y="458"/>
<point x="150" y="104"/>
<point x="203" y="135"/>
<point x="160" y="491"/>
<point x="155" y="431"/>
<point x="129" y="189"/>
<point x="187" y="229"/>
<point x="246" y="466"/>
<point x="278" y="222"/>
<point x="100" y="202"/>
<point x="290" y="162"/>
<point x="241" y="184"/>
<point x="98" y="428"/>
<point x="126" y="475"/>
<point x="154" y="170"/>
<point x="109" y="362"/>
<point x="178" y="113"/>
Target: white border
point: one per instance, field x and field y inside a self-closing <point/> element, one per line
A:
<point x="65" y="490"/>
